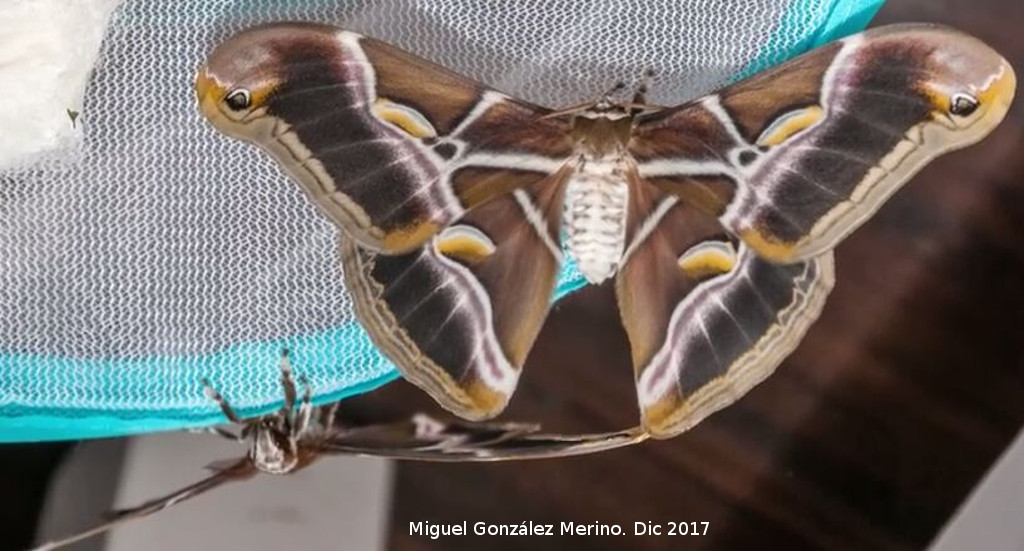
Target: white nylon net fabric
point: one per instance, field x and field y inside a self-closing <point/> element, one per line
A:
<point x="164" y="252"/>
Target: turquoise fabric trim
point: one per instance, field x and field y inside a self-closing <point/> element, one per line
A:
<point x="104" y="398"/>
<point x="847" y="17"/>
<point x="95" y="410"/>
<point x="70" y="424"/>
<point x="812" y="27"/>
<point x="339" y="363"/>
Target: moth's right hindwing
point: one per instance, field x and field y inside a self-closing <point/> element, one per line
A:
<point x="707" y="319"/>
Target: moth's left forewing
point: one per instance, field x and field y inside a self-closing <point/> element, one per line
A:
<point x="707" y="319"/>
<point x="391" y="147"/>
<point x="794" y="159"/>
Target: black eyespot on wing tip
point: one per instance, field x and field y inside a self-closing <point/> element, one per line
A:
<point x="962" y="105"/>
<point x="238" y="100"/>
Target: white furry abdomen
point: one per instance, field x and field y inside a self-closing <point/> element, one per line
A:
<point x="595" y="219"/>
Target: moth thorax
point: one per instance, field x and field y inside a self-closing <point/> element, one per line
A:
<point x="273" y="452"/>
<point x="595" y="219"/>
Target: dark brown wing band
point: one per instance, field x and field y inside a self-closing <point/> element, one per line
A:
<point x="459" y="315"/>
<point x="391" y="147"/>
<point x="707" y="318"/>
<point x="796" y="158"/>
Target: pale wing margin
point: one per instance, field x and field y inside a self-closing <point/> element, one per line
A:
<point x="696" y="372"/>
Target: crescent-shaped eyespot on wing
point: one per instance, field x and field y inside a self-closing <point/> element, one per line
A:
<point x="794" y="159"/>
<point x="392" y="148"/>
<point x="459" y="315"/>
<point x="707" y="319"/>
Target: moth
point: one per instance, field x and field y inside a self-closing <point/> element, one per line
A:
<point x="715" y="218"/>
<point x="292" y="438"/>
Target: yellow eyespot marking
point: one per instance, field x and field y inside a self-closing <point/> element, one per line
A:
<point x="465" y="243"/>
<point x="258" y="95"/>
<point x="408" y="238"/>
<point x="789" y="124"/>
<point x="1000" y="91"/>
<point x="409" y="120"/>
<point x="768" y="247"/>
<point x="993" y="99"/>
<point x="211" y="95"/>
<point x="940" y="103"/>
<point x="708" y="259"/>
<point x="207" y="94"/>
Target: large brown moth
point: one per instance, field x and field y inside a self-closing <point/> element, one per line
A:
<point x="292" y="438"/>
<point x="716" y="218"/>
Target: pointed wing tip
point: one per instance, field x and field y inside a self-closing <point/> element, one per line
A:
<point x="477" y="401"/>
<point x="668" y="417"/>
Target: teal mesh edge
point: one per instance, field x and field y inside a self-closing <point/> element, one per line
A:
<point x="842" y="18"/>
<point x="325" y="358"/>
<point x="319" y="354"/>
<point x="70" y="424"/>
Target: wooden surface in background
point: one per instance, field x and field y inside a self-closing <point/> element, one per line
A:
<point x="868" y="437"/>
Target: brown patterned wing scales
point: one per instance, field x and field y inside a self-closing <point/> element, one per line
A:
<point x="707" y="319"/>
<point x="459" y="315"/>
<point x="391" y="147"/>
<point x="794" y="159"/>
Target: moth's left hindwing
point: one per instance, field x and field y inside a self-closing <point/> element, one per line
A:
<point x="391" y="147"/>
<point x="459" y="315"/>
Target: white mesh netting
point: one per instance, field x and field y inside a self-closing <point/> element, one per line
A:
<point x="164" y="252"/>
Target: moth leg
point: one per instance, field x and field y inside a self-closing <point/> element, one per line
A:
<point x="212" y="394"/>
<point x="640" y="97"/>
<point x="247" y="430"/>
<point x="287" y="383"/>
<point x="302" y="424"/>
<point x="218" y="431"/>
<point x="226" y="434"/>
<point x="329" y="416"/>
<point x="616" y="88"/>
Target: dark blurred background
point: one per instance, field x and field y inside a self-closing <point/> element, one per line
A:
<point x="868" y="437"/>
